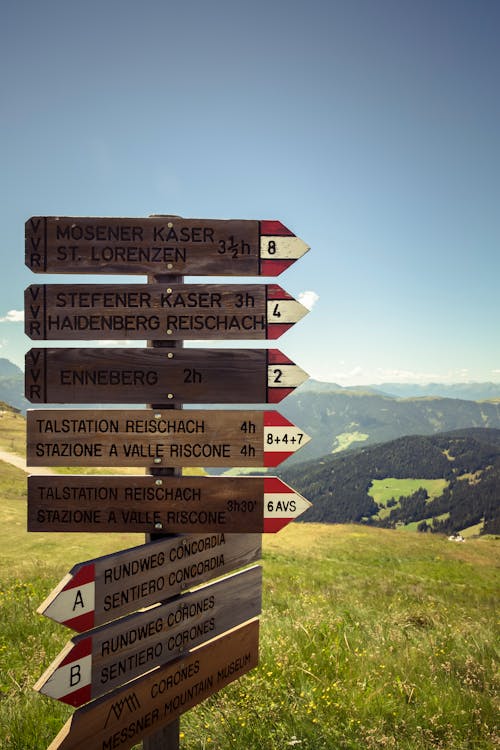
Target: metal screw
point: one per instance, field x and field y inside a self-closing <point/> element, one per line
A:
<point x="169" y="331"/>
<point x="157" y="460"/>
<point x="170" y="354"/>
<point x="158" y="415"/>
<point x="158" y="525"/>
<point x="170" y="395"/>
<point x="159" y="482"/>
<point x="170" y="265"/>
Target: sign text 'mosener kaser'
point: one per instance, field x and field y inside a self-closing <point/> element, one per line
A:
<point x="160" y="245"/>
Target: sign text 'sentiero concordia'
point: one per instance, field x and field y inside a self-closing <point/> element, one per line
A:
<point x="97" y="591"/>
<point x="119" y="437"/>
<point x="159" y="245"/>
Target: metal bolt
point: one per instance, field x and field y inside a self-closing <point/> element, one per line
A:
<point x="170" y="354"/>
<point x="170" y="265"/>
<point x="158" y="525"/>
<point x="158" y="415"/>
<point x="157" y="460"/>
<point x="159" y="482"/>
<point x="170" y="395"/>
<point x="169" y="291"/>
<point x="169" y="331"/>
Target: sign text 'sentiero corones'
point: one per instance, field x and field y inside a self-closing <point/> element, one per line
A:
<point x="174" y="505"/>
<point x="96" y="662"/>
<point x="160" y="245"/>
<point x="141" y="437"/>
<point x="138" y="376"/>
<point x="144" y="705"/>
<point x="106" y="588"/>
<point x="159" y="311"/>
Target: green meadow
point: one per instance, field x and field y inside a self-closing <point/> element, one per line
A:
<point x="369" y="639"/>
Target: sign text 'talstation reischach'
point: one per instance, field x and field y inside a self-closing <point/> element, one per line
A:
<point x="160" y="245"/>
<point x="149" y="504"/>
<point x="138" y="437"/>
<point x="159" y="311"/>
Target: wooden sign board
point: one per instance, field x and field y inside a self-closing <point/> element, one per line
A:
<point x="143" y="706"/>
<point x="97" y="591"/>
<point x="143" y="437"/>
<point x="158" y="311"/>
<point x="160" y="245"/>
<point x="106" y="658"/>
<point x="150" y="504"/>
<point x="138" y="376"/>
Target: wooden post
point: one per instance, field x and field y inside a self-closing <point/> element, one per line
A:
<point x="166" y="738"/>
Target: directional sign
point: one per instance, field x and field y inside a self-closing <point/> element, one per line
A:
<point x="141" y="437"/>
<point x="149" y="504"/>
<point x="159" y="311"/>
<point x="95" y="663"/>
<point x="100" y="590"/>
<point x="145" y="705"/>
<point x="159" y="245"/>
<point x="137" y="376"/>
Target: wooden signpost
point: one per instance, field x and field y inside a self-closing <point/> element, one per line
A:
<point x="159" y="311"/>
<point x="97" y="591"/>
<point x="150" y="504"/>
<point x="160" y="245"/>
<point x="93" y="664"/>
<point x="119" y="720"/>
<point x="135" y="376"/>
<point x="134" y="437"/>
<point x="157" y="634"/>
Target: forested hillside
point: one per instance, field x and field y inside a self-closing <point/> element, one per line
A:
<point x="362" y="485"/>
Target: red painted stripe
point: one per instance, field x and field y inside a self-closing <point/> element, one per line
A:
<point x="275" y="419"/>
<point x="275" y="395"/>
<point x="274" y="267"/>
<point x="275" y="228"/>
<point x="275" y="330"/>
<point x="278" y="358"/>
<point x="78" y="697"/>
<point x="274" y="291"/>
<point x="80" y="623"/>
<point x="79" y="650"/>
<point x="272" y="525"/>
<point x="86" y="574"/>
<point x="276" y="486"/>
<point x="275" y="458"/>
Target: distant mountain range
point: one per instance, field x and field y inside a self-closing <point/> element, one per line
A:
<point x="340" y="418"/>
<point x="464" y="391"/>
<point x="448" y="483"/>
<point x="12" y="385"/>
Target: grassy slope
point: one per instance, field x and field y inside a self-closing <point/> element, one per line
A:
<point x="369" y="639"/>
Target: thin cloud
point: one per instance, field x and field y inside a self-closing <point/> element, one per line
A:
<point x="13" y="316"/>
<point x="308" y="299"/>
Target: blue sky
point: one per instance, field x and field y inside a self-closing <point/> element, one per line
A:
<point x="370" y="128"/>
